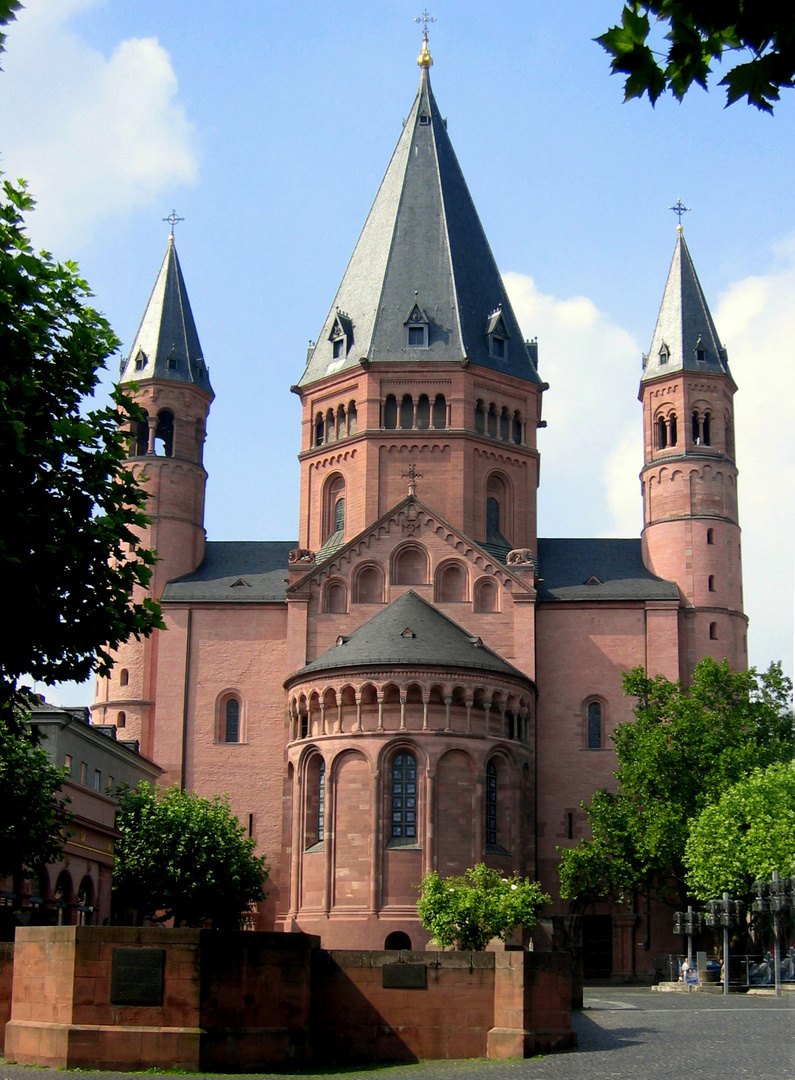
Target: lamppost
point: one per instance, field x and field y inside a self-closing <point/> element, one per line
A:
<point x="725" y="913"/>
<point x="775" y="896"/>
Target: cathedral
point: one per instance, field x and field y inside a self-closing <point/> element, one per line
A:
<point x="420" y="681"/>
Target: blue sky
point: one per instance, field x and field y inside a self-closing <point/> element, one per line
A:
<point x="268" y="126"/>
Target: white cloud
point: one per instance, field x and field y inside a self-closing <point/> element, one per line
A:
<point x="592" y="449"/>
<point x="94" y="136"/>
<point x="757" y="322"/>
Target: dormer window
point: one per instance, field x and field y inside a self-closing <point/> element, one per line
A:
<point x="497" y="335"/>
<point x="341" y="336"/>
<point x="416" y="326"/>
<point x="701" y="352"/>
<point x="665" y="352"/>
<point x="140" y="360"/>
<point x="424" y="119"/>
<point x="172" y="360"/>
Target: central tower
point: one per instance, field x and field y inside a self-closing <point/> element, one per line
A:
<point x="421" y="361"/>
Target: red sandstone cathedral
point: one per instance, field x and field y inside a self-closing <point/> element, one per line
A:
<point x="420" y="681"/>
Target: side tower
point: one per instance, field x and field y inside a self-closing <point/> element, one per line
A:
<point x="691" y="533"/>
<point x="166" y="374"/>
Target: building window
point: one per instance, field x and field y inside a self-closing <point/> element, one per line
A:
<point x="491" y="804"/>
<point x="594" y="726"/>
<point x="407" y="412"/>
<point x="710" y="536"/>
<point x="67" y="764"/>
<point x="404" y="799"/>
<point x="333" y="505"/>
<point x="439" y="412"/>
<point x="416" y="337"/>
<point x="713" y="631"/>
<point x="124" y="677"/>
<point x="480" y="419"/>
<point x="711" y="583"/>
<point x="97" y="780"/>
<point x="232" y="721"/>
<point x="423" y="412"/>
<point x="390" y="412"/>
<point x="517" y="429"/>
<point x="121" y="720"/>
<point x="321" y="802"/>
<point x="164" y="433"/>
<point x="84" y="773"/>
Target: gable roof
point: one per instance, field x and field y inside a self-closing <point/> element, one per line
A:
<point x="684" y="325"/>
<point x="597" y="569"/>
<point x="260" y="566"/>
<point x="435" y="641"/>
<point x="167" y="345"/>
<point x="422" y="243"/>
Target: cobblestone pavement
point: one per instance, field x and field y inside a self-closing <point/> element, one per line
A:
<point x="624" y="1034"/>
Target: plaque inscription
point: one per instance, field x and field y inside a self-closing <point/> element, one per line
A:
<point x="403" y="977"/>
<point x="136" y="977"/>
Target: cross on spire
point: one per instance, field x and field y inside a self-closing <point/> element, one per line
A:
<point x="679" y="208"/>
<point x="412" y="476"/>
<point x="425" y="60"/>
<point x="173" y="218"/>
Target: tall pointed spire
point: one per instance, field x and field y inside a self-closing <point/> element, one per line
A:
<point x="167" y="345"/>
<point x="422" y="259"/>
<point x="685" y="338"/>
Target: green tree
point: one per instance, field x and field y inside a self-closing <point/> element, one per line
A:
<point x="185" y="858"/>
<point x="683" y="750"/>
<point x="470" y="910"/>
<point x="746" y="835"/>
<point x="33" y="820"/>
<point x="759" y="34"/>
<point x="70" y="556"/>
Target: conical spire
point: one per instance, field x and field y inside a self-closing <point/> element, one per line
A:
<point x="422" y="261"/>
<point x="685" y="338"/>
<point x="167" y="344"/>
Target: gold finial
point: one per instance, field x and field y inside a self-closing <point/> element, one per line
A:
<point x="425" y="60"/>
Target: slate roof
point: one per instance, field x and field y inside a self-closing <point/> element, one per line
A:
<point x="436" y="642"/>
<point x="616" y="565"/>
<point x="167" y="345"/>
<point x="422" y="245"/>
<point x="236" y="572"/>
<point x="684" y="325"/>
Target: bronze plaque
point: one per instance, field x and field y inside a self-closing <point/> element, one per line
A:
<point x="136" y="977"/>
<point x="403" y="977"/>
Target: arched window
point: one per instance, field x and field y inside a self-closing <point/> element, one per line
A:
<point x="164" y="433"/>
<point x="341" y="430"/>
<point x="124" y="677"/>
<point x="491" y="805"/>
<point x="411" y="566"/>
<point x="505" y="425"/>
<point x="711" y="583"/>
<point x="713" y="631"/>
<point x="232" y="720"/>
<point x="491" y="421"/>
<point x="480" y="419"/>
<point x="492" y="515"/>
<point x="333" y="505"/>
<point x="142" y="436"/>
<point x="336" y="597"/>
<point x="672" y="428"/>
<point x="404" y="799"/>
<point x="368" y="587"/>
<point x="407" y="412"/>
<point x="485" y="596"/>
<point x="330" y="428"/>
<point x="121" y="720"/>
<point x="321" y="802"/>
<point x="439" y="412"/>
<point x="451" y="584"/>
<point x="319" y="430"/>
<point x="390" y="411"/>
<point x="662" y="433"/>
<point x="594" y="725"/>
<point x="352" y="418"/>
<point x="517" y="429"/>
<point x="710" y="536"/>
<point x="423" y="412"/>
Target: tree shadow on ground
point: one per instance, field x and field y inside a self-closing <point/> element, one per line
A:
<point x="593" y="1038"/>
